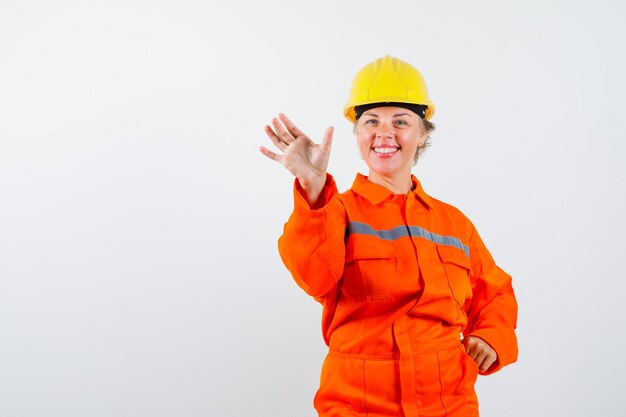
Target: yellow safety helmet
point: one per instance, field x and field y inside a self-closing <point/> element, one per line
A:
<point x="388" y="80"/>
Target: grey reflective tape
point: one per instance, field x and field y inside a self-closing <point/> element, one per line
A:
<point x="403" y="231"/>
<point x="365" y="229"/>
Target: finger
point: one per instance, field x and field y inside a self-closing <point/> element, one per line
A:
<point x="281" y="132"/>
<point x="270" y="154"/>
<point x="295" y="132"/>
<point x="480" y="359"/>
<point x="487" y="363"/>
<point x="327" y="141"/>
<point x="275" y="139"/>
<point x="484" y="362"/>
<point x="470" y="349"/>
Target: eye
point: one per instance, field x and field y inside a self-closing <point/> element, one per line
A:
<point x="371" y="122"/>
<point x="401" y="122"/>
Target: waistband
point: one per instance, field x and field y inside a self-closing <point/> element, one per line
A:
<point x="405" y="336"/>
<point x="393" y="356"/>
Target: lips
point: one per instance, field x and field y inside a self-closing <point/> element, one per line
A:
<point x="386" y="150"/>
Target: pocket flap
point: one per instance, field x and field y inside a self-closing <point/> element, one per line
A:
<point x="379" y="250"/>
<point x="453" y="255"/>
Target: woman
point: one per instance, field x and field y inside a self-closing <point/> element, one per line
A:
<point x="414" y="306"/>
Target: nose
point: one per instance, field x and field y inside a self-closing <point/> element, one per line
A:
<point x="384" y="131"/>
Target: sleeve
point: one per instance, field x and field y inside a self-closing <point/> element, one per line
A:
<point x="493" y="313"/>
<point x="312" y="244"/>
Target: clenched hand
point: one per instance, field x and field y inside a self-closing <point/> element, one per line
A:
<point x="480" y="352"/>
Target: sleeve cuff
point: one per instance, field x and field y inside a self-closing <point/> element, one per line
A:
<point x="328" y="192"/>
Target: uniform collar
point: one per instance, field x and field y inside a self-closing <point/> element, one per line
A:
<point x="376" y="194"/>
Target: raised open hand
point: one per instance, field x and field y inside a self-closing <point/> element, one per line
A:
<point x="305" y="159"/>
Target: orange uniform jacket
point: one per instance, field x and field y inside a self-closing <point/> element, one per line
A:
<point x="400" y="277"/>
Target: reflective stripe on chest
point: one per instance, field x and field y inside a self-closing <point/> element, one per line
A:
<point x="357" y="228"/>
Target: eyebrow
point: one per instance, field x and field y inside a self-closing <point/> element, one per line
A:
<point x="367" y="113"/>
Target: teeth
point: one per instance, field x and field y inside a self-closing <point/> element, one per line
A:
<point x="385" y="150"/>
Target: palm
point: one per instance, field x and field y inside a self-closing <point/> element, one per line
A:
<point x="305" y="159"/>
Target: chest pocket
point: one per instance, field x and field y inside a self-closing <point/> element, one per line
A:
<point x="457" y="267"/>
<point x="370" y="272"/>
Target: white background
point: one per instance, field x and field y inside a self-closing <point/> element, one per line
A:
<point x="139" y="274"/>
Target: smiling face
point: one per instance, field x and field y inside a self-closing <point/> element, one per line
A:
<point x="388" y="138"/>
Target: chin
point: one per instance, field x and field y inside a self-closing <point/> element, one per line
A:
<point x="386" y="171"/>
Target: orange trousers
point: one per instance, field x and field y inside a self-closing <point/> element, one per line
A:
<point x="442" y="384"/>
<point x="436" y="381"/>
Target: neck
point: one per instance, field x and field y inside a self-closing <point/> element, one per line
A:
<point x="401" y="184"/>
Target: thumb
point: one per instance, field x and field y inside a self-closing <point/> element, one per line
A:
<point x="327" y="141"/>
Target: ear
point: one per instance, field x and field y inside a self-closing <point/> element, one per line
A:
<point x="423" y="136"/>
